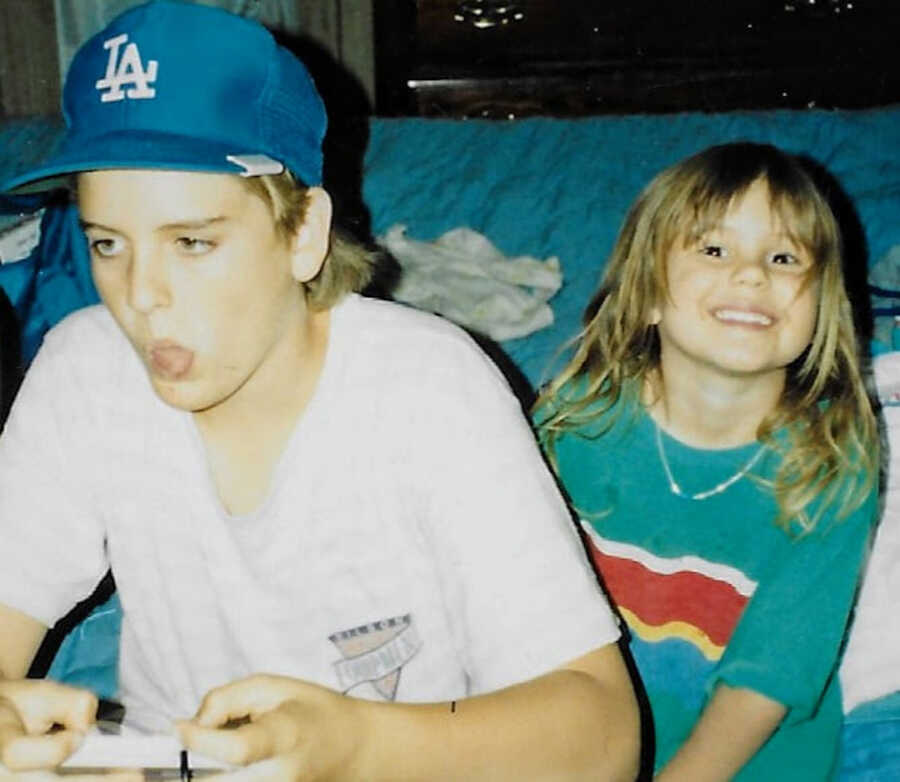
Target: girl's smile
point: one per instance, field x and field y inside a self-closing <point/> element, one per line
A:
<point x="744" y="317"/>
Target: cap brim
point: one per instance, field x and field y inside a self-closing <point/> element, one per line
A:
<point x="134" y="149"/>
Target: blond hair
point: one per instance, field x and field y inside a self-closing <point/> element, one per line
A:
<point x="349" y="266"/>
<point x="831" y="449"/>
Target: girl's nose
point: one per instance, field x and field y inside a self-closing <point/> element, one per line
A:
<point x="750" y="271"/>
<point x="148" y="287"/>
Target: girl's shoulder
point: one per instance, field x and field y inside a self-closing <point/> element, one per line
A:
<point x="574" y="418"/>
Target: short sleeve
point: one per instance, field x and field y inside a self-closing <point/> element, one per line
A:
<point x="523" y="596"/>
<point x="51" y="543"/>
<point x="788" y="641"/>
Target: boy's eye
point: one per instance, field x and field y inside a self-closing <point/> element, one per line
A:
<point x="194" y="246"/>
<point x="106" y="247"/>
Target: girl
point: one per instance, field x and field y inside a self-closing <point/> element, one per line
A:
<point x="714" y="433"/>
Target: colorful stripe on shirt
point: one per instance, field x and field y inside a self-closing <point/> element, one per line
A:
<point x="686" y="598"/>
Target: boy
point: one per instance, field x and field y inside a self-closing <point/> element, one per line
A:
<point x="338" y="492"/>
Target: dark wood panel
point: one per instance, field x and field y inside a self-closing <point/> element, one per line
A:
<point x="550" y="30"/>
<point x="441" y="57"/>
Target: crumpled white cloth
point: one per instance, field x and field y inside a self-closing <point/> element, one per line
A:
<point x="871" y="664"/>
<point x="464" y="277"/>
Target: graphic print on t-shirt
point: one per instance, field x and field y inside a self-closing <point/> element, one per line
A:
<point x="681" y="612"/>
<point x="376" y="653"/>
<point x="687" y="597"/>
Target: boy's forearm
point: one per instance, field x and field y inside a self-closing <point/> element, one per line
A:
<point x="20" y="637"/>
<point x="577" y="722"/>
<point x="566" y="725"/>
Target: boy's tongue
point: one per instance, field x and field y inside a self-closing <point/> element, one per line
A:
<point x="171" y="361"/>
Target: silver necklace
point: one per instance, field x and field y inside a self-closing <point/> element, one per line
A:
<point x="701" y="495"/>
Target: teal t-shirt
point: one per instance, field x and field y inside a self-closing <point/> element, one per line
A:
<point x="712" y="590"/>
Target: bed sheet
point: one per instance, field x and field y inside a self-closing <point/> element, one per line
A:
<point x="546" y="187"/>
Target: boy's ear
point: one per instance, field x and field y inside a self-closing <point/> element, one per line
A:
<point x="312" y="239"/>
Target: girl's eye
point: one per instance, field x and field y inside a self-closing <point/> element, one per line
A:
<point x="713" y="250"/>
<point x="193" y="246"/>
<point x="106" y="247"/>
<point x="785" y="259"/>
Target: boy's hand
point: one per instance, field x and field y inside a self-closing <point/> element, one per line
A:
<point x="286" y="728"/>
<point x="41" y="722"/>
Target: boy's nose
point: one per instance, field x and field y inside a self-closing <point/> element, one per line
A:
<point x="148" y="287"/>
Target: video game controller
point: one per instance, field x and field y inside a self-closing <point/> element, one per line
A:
<point x="110" y="745"/>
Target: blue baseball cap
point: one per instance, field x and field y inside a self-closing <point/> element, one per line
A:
<point x="175" y="85"/>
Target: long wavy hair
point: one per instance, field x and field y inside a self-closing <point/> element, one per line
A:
<point x="831" y="444"/>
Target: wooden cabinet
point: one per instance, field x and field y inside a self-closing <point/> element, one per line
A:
<point x="500" y="58"/>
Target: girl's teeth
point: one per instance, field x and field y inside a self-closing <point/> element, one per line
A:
<point x="743" y="317"/>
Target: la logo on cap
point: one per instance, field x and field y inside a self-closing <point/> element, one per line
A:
<point x="126" y="70"/>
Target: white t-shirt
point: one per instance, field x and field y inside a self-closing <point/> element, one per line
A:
<point x="413" y="545"/>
